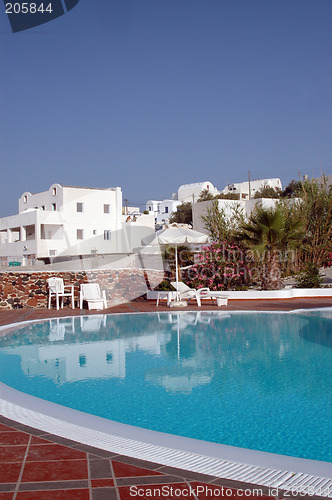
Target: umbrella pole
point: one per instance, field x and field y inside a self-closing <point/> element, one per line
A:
<point x="178" y="337"/>
<point x="176" y="274"/>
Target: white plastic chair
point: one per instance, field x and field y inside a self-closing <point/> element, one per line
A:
<point x="92" y="323"/>
<point x="56" y="288"/>
<point x="90" y="292"/>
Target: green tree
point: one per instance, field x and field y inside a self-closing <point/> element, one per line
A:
<point x="205" y="195"/>
<point x="293" y="190"/>
<point x="269" y="232"/>
<point x="221" y="223"/>
<point x="183" y="214"/>
<point x="268" y="192"/>
<point x="228" y="196"/>
<point x="316" y="208"/>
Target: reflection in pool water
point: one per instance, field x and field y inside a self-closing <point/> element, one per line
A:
<point x="259" y="381"/>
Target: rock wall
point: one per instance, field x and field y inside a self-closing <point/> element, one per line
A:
<point x="25" y="289"/>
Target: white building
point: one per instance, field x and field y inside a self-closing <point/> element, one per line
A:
<point x="63" y="221"/>
<point x="191" y="192"/>
<point x="75" y="361"/>
<point x="162" y="209"/>
<point x="242" y="188"/>
<point x="246" y="206"/>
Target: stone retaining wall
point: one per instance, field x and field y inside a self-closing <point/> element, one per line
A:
<point x="25" y="289"/>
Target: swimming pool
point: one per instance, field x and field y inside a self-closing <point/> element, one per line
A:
<point x="259" y="381"/>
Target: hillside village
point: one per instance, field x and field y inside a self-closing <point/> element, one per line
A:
<point x="256" y="235"/>
<point x="67" y="222"/>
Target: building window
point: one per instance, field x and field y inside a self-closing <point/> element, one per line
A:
<point x="107" y="209"/>
<point x="166" y="210"/>
<point x="54" y="191"/>
<point x="54" y="207"/>
<point x="150" y="209"/>
<point x="25" y="199"/>
<point x="43" y="207"/>
<point x="107" y="234"/>
<point x="79" y="234"/>
<point x="94" y="232"/>
<point x="82" y="360"/>
<point x="109" y="357"/>
<point x="52" y="253"/>
<point x="79" y="207"/>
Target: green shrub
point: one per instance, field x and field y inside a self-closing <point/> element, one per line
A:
<point x="310" y="278"/>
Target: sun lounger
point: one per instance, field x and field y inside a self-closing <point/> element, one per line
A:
<point x="187" y="293"/>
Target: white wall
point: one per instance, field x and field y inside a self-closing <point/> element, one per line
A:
<point x="134" y="231"/>
<point x="247" y="206"/>
<point x="191" y="192"/>
<point x="43" y="199"/>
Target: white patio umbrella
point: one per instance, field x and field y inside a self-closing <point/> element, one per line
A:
<point x="179" y="235"/>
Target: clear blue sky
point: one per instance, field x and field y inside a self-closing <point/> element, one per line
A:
<point x="152" y="94"/>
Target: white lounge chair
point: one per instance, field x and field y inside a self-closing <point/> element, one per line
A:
<point x="57" y="289"/>
<point x="187" y="293"/>
<point x="92" y="323"/>
<point x="90" y="292"/>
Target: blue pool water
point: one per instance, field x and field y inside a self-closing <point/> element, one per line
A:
<point x="260" y="381"/>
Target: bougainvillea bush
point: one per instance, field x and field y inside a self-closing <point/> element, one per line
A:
<point x="220" y="267"/>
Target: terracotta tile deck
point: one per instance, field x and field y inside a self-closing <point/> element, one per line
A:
<point x="39" y="466"/>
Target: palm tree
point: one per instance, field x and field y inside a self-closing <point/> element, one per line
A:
<point x="269" y="233"/>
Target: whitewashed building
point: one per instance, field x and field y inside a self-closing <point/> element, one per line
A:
<point x="89" y="360"/>
<point x="63" y="221"/>
<point x="191" y="192"/>
<point x="162" y="209"/>
<point x="242" y="188"/>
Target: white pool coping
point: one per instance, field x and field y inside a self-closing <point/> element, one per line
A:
<point x="271" y="470"/>
<point x="286" y="293"/>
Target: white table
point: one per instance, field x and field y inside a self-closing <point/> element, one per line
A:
<point x="219" y="297"/>
<point x="169" y="296"/>
<point x="221" y="300"/>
